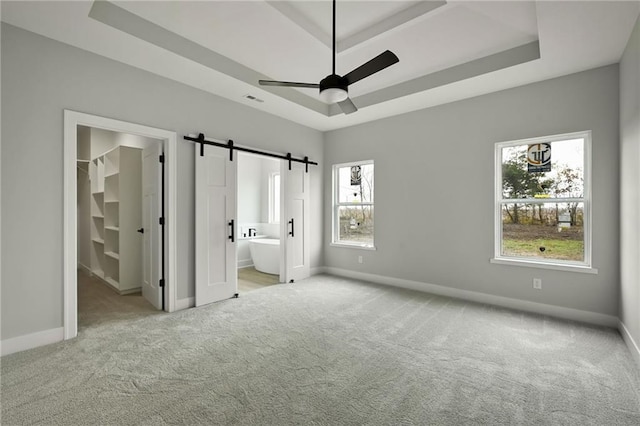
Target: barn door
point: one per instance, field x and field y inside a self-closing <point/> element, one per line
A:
<point x="215" y="199"/>
<point x="296" y="215"/>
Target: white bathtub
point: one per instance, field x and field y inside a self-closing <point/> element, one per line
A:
<point x="265" y="253"/>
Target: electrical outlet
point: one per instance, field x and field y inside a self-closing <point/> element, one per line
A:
<point x="359" y="259"/>
<point x="537" y="283"/>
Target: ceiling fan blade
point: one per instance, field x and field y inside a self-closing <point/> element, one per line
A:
<point x="288" y="84"/>
<point x="380" y="62"/>
<point x="347" y="106"/>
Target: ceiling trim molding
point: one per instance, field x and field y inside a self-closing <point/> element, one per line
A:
<point x="132" y="24"/>
<point x="302" y="21"/>
<point x="377" y="28"/>
<point x="498" y="61"/>
<point x="123" y="20"/>
<point x="388" y="24"/>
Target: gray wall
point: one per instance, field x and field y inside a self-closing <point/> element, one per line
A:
<point x="434" y="173"/>
<point x="84" y="199"/>
<point x="630" y="184"/>
<point x="40" y="78"/>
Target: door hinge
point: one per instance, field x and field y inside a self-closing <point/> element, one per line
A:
<point x="161" y="158"/>
<point x="161" y="221"/>
<point x="162" y="283"/>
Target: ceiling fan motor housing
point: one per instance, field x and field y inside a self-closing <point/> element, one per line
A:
<point x="334" y="81"/>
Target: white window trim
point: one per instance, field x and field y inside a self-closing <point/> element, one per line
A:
<point x="335" y="205"/>
<point x="587" y="200"/>
<point x="273" y="218"/>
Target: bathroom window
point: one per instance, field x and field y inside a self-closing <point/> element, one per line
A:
<point x="543" y="205"/>
<point x="274" y="198"/>
<point x="353" y="199"/>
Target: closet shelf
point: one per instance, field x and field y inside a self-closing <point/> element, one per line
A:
<point x="112" y="254"/>
<point x="116" y="194"/>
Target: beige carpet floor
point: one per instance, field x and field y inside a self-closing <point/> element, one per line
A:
<point x="331" y="351"/>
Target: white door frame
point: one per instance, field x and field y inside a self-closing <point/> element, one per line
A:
<point x="70" y="286"/>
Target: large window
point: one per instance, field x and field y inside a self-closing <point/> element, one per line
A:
<point x="274" y="198"/>
<point x="353" y="204"/>
<point x="543" y="201"/>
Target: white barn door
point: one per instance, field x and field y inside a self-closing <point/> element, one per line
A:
<point x="215" y="199"/>
<point x="296" y="214"/>
<point x="151" y="208"/>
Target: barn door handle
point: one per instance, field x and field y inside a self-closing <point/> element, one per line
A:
<point x="292" y="227"/>
<point x="232" y="237"/>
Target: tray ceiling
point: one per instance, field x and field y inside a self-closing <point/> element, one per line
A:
<point x="448" y="50"/>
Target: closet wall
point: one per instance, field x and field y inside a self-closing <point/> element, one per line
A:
<point x="84" y="198"/>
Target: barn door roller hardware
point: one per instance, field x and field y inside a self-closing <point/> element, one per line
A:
<point x="231" y="147"/>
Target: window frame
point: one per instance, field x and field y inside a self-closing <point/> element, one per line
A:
<point x="273" y="217"/>
<point x="586" y="199"/>
<point x="336" y="204"/>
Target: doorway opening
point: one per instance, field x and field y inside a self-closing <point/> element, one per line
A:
<point x="119" y="192"/>
<point x="216" y="219"/>
<point x="108" y="252"/>
<point x="259" y="222"/>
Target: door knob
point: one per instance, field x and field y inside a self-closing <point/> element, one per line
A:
<point x="141" y="230"/>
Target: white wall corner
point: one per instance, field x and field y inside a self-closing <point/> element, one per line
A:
<point x="318" y="270"/>
<point x="506" y="302"/>
<point x="30" y="341"/>
<point x="186" y="303"/>
<point x="85" y="268"/>
<point x="631" y="344"/>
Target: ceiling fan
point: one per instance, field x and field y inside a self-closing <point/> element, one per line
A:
<point x="335" y="88"/>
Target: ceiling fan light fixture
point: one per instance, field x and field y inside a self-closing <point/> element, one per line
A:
<point x="333" y="95"/>
<point x="333" y="88"/>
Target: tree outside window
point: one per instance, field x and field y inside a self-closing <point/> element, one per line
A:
<point x="544" y="215"/>
<point x="353" y="205"/>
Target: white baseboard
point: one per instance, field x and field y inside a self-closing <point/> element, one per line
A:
<point x="85" y="268"/>
<point x="318" y="270"/>
<point x="522" y="305"/>
<point x="186" y="303"/>
<point x="30" y="341"/>
<point x="631" y="344"/>
<point x="245" y="263"/>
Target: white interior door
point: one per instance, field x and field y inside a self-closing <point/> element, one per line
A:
<point x="216" y="261"/>
<point x="151" y="210"/>
<point x="296" y="215"/>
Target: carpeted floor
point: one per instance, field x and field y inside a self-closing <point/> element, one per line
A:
<point x="328" y="350"/>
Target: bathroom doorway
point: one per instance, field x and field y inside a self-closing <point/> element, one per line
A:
<point x="259" y="222"/>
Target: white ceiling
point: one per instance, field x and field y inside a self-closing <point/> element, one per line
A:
<point x="448" y="50"/>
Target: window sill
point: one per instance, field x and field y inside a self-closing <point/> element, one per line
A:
<point x="353" y="246"/>
<point x="541" y="265"/>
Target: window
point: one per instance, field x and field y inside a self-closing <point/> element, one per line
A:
<point x="543" y="202"/>
<point x="353" y="204"/>
<point x="274" y="198"/>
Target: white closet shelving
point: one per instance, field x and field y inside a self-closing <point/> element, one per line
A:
<point x="116" y="213"/>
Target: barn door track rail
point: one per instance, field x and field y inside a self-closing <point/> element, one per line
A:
<point x="231" y="147"/>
